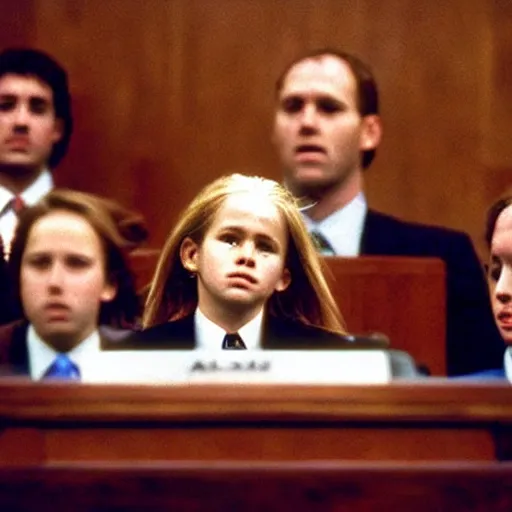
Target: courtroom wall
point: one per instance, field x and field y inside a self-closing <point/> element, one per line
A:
<point x="169" y="94"/>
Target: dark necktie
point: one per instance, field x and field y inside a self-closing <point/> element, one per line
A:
<point x="17" y="204"/>
<point x="62" y="368"/>
<point x="321" y="243"/>
<point x="233" y="342"/>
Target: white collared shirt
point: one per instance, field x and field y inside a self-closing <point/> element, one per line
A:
<point x="508" y="363"/>
<point x="343" y="229"/>
<point x="31" y="195"/>
<point x="41" y="355"/>
<point x="210" y="336"/>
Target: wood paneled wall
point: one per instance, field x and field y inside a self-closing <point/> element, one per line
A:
<point x="169" y="94"/>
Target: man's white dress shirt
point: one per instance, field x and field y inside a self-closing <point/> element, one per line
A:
<point x="31" y="195"/>
<point x="343" y="229"/>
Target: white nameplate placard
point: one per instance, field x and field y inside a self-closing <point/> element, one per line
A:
<point x="239" y="366"/>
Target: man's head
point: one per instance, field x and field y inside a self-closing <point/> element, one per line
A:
<point x="326" y="125"/>
<point x="35" y="110"/>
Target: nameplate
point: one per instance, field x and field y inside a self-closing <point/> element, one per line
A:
<point x="240" y="366"/>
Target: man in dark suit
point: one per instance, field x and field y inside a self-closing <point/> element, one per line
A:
<point x="5" y="288"/>
<point x="35" y="130"/>
<point x="326" y="131"/>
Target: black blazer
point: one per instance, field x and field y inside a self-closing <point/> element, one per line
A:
<point x="473" y="340"/>
<point x="279" y="334"/>
<point x="7" y="309"/>
<point x="14" y="358"/>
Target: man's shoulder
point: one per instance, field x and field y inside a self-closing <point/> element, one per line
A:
<point x="496" y="374"/>
<point x="383" y="220"/>
<point x="385" y="234"/>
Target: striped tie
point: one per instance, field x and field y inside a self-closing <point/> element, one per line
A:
<point x="321" y="243"/>
<point x="17" y="204"/>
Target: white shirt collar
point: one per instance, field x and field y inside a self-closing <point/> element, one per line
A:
<point x="508" y="363"/>
<point x="343" y="229"/>
<point x="41" y="186"/>
<point x="41" y="355"/>
<point x="210" y="336"/>
<point x="31" y="195"/>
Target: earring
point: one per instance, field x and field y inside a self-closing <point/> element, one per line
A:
<point x="191" y="271"/>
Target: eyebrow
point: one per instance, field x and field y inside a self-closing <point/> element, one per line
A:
<point x="318" y="98"/>
<point x="32" y="97"/>
<point x="44" y="252"/>
<point x="240" y="230"/>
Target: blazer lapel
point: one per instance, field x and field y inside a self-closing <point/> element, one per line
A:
<point x="15" y="351"/>
<point x="379" y="237"/>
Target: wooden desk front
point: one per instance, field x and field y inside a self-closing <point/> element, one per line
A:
<point x="422" y="447"/>
<point x="420" y="422"/>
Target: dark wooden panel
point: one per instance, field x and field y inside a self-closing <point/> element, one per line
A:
<point x="259" y="442"/>
<point x="24" y="445"/>
<point x="497" y="113"/>
<point x="221" y="487"/>
<point x="17" y="23"/>
<point x="381" y="295"/>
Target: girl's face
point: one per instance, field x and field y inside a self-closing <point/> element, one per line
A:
<point x="241" y="260"/>
<point x="500" y="274"/>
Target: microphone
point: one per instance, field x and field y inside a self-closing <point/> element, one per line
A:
<point x="373" y="340"/>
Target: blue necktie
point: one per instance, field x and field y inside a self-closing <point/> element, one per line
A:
<point x="62" y="368"/>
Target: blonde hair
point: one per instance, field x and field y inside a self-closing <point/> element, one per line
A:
<point x="173" y="294"/>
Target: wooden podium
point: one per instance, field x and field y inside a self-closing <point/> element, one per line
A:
<point x="425" y="446"/>
<point x="403" y="298"/>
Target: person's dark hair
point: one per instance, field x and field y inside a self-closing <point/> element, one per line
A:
<point x="492" y="216"/>
<point x="120" y="232"/>
<point x="35" y="63"/>
<point x="367" y="91"/>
